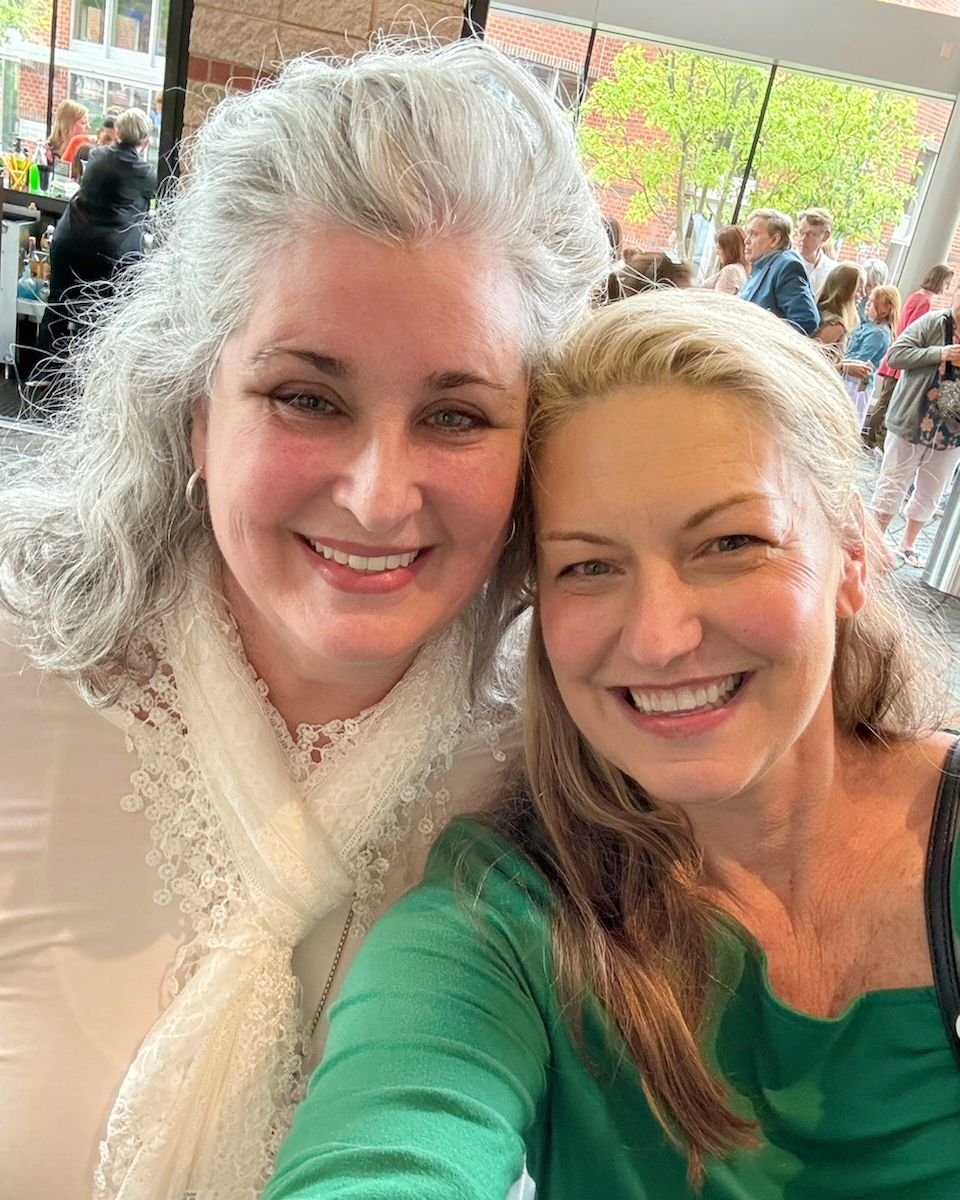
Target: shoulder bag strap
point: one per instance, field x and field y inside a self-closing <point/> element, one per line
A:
<point x="942" y="934"/>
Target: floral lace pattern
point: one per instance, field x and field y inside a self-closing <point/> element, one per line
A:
<point x="252" y="863"/>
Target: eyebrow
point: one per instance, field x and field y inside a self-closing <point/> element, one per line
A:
<point x="576" y="536"/>
<point x="438" y="381"/>
<point x="711" y="510"/>
<point x="448" y="380"/>
<point x="321" y="362"/>
<point x="698" y="518"/>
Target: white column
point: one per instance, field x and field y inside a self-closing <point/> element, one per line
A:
<point x="938" y="217"/>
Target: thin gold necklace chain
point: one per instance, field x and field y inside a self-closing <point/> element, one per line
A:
<point x="338" y="954"/>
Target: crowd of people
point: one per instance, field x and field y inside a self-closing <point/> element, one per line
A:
<point x="860" y="324"/>
<point x="403" y="566"/>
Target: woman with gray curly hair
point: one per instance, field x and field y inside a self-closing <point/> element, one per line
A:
<point x="270" y="550"/>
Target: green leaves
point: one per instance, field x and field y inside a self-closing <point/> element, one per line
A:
<point x="674" y="128"/>
<point x="24" y="16"/>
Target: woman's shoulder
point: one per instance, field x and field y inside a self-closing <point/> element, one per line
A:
<point x="481" y="907"/>
<point x="473" y="858"/>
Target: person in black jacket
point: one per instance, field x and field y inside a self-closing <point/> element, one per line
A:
<point x="102" y="228"/>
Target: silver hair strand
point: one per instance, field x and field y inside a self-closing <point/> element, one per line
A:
<point x="402" y="143"/>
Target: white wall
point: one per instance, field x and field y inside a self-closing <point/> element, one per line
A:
<point x="862" y="39"/>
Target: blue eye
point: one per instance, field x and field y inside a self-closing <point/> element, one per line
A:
<point x="735" y="541"/>
<point x="455" y="420"/>
<point x="306" y="402"/>
<point x="591" y="569"/>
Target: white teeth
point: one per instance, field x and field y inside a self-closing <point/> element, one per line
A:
<point x="685" y="700"/>
<point x="357" y="562"/>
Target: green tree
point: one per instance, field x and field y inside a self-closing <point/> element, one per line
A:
<point x="26" y="17"/>
<point x="674" y="128"/>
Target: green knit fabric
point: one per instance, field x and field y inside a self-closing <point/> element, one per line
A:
<point x="449" y="1064"/>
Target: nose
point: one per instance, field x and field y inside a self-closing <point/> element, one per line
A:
<point x="663" y="619"/>
<point x="380" y="484"/>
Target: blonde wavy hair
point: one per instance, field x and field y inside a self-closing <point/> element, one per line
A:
<point x="68" y="113"/>
<point x="633" y="926"/>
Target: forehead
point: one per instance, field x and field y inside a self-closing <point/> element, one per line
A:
<point x="659" y="449"/>
<point x="338" y="289"/>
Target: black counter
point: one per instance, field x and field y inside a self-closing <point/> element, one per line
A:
<point x="23" y="204"/>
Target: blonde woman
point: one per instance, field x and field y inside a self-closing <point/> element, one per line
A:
<point x="837" y="304"/>
<point x="690" y="957"/>
<point x="71" y="121"/>
<point x="868" y="344"/>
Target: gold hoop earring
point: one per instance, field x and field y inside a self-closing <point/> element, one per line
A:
<point x="190" y="492"/>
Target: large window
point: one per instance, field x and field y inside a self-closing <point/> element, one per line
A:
<point x="124" y="26"/>
<point x="108" y="56"/>
<point x="680" y="142"/>
<point x="554" y="53"/>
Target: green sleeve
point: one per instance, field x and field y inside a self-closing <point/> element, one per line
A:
<point x="438" y="1047"/>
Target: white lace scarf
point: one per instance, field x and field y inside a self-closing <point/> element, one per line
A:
<point x="255" y="851"/>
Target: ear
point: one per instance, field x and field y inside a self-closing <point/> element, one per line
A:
<point x="852" y="588"/>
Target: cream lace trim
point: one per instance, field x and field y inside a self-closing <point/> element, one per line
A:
<point x="198" y="870"/>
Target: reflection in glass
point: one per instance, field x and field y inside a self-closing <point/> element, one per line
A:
<point x="131" y="26"/>
<point x="122" y="95"/>
<point x="88" y="20"/>
<point x="88" y="90"/>
<point x="163" y="20"/>
<point x="25" y="74"/>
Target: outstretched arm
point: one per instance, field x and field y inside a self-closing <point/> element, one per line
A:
<point x="437" y="1054"/>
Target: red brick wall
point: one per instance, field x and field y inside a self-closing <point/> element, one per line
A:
<point x="557" y="45"/>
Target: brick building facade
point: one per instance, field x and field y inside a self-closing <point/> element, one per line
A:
<point x="556" y="53"/>
<point x="233" y="42"/>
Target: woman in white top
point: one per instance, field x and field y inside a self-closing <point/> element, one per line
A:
<point x="268" y="552"/>
<point x="732" y="256"/>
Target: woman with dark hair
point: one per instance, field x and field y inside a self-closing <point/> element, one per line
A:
<point x="645" y="270"/>
<point x="733" y="262"/>
<point x="689" y="957"/>
<point x="917" y="304"/>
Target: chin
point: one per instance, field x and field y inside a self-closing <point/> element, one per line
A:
<point x="689" y="786"/>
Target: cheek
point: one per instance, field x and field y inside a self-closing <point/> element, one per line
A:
<point x="575" y="636"/>
<point x="474" y="500"/>
<point x="791" y="618"/>
<point x="255" y="476"/>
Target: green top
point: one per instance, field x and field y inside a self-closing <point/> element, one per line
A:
<point x="448" y="1063"/>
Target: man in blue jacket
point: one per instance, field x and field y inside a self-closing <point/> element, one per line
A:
<point x="778" y="281"/>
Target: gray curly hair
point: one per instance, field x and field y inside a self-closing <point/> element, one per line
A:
<point x="97" y="540"/>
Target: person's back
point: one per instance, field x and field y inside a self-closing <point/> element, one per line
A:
<point x="116" y="188"/>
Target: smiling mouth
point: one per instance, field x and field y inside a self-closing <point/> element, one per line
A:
<point x="373" y="565"/>
<point x="684" y="701"/>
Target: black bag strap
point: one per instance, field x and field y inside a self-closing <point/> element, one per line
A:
<point x="941" y="930"/>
